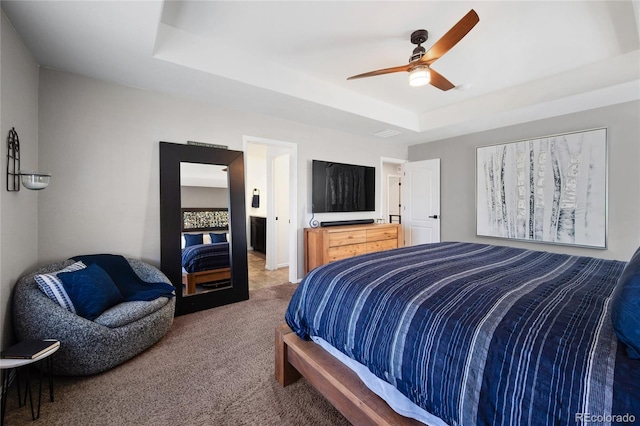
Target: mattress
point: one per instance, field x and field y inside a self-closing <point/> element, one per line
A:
<point x="400" y="403"/>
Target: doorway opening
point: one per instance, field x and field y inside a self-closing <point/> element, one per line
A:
<point x="271" y="186"/>
<point x="391" y="184"/>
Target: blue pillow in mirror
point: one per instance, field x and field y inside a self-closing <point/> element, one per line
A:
<point x="218" y="238"/>
<point x="192" y="239"/>
<point x="91" y="290"/>
<point x="625" y="307"/>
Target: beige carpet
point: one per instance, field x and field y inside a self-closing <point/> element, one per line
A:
<point x="214" y="367"/>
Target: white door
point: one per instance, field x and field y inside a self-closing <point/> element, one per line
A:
<point x="281" y="194"/>
<point x="421" y="202"/>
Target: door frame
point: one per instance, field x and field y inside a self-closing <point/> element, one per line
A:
<point x="384" y="183"/>
<point x="293" y="198"/>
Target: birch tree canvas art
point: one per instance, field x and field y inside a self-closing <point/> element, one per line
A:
<point x="551" y="189"/>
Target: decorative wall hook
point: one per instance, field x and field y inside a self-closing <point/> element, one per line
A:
<point x="255" y="200"/>
<point x="30" y="180"/>
<point x="13" y="161"/>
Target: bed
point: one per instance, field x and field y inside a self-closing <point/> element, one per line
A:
<point x="205" y="263"/>
<point x="467" y="334"/>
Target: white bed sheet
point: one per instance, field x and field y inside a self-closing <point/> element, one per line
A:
<point x="396" y="400"/>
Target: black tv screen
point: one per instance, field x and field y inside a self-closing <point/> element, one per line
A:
<point x="337" y="187"/>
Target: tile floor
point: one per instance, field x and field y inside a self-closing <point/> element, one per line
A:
<point x="260" y="277"/>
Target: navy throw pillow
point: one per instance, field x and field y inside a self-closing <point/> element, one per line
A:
<point x="192" y="239"/>
<point x="625" y="307"/>
<point x="218" y="238"/>
<point x="91" y="290"/>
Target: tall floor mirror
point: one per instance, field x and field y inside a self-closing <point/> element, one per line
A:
<point x="202" y="225"/>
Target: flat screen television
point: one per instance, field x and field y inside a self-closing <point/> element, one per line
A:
<point x="338" y="187"/>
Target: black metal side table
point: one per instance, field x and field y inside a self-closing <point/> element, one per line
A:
<point x="7" y="365"/>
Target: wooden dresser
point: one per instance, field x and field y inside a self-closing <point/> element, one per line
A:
<point x="324" y="245"/>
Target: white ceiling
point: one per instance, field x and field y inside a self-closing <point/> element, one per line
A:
<point x="290" y="59"/>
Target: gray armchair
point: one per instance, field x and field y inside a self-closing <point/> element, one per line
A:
<point x="90" y="347"/>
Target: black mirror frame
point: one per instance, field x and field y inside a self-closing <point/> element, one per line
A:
<point x="171" y="155"/>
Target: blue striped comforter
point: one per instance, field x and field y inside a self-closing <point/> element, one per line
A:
<point x="205" y="257"/>
<point x="478" y="334"/>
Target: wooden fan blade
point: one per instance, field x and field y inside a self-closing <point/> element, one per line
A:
<point x="437" y="80"/>
<point x="382" y="71"/>
<point x="451" y="38"/>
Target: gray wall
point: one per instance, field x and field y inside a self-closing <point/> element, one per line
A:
<point x="202" y="196"/>
<point x="18" y="210"/>
<point x="100" y="141"/>
<point x="458" y="176"/>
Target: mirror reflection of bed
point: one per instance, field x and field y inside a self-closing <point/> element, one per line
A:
<point x="205" y="262"/>
<point x="205" y="237"/>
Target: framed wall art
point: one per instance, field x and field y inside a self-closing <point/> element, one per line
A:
<point x="551" y="189"/>
<point x="205" y="219"/>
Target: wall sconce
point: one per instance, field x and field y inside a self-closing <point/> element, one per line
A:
<point x="30" y="180"/>
<point x="35" y="180"/>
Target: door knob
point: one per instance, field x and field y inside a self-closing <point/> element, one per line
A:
<point x="435" y="216"/>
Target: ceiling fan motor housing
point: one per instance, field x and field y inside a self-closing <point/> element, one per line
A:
<point x="418" y="37"/>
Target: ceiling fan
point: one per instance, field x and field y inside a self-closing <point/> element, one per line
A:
<point x="419" y="66"/>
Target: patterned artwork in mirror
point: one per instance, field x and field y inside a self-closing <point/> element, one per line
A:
<point x="205" y="219"/>
<point x="550" y="189"/>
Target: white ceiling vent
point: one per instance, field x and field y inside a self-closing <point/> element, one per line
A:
<point x="386" y="133"/>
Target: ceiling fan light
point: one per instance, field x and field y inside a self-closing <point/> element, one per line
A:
<point x="419" y="76"/>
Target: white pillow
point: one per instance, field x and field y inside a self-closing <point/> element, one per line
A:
<point x="52" y="286"/>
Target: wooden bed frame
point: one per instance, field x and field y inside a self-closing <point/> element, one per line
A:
<point x="191" y="279"/>
<point x="342" y="387"/>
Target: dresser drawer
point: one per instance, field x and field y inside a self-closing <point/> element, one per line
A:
<point x="343" y="252"/>
<point x="328" y="244"/>
<point x="337" y="239"/>
<point x="373" y="246"/>
<point x="382" y="234"/>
